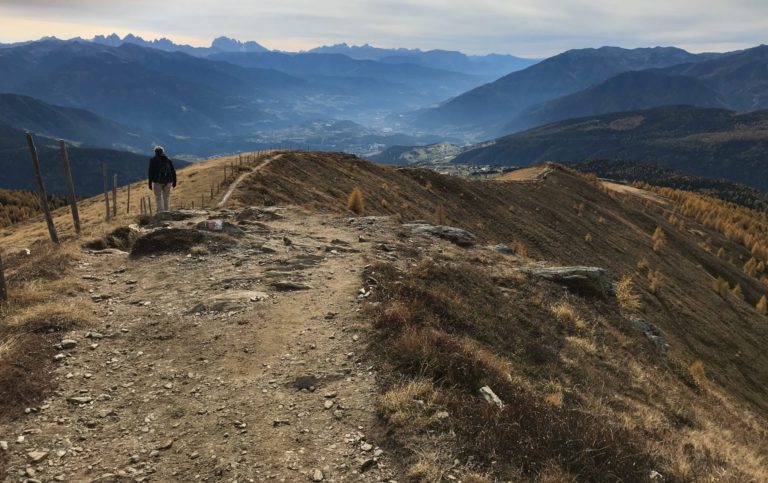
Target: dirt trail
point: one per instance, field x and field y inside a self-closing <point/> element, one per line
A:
<point x="240" y="179"/>
<point x="199" y="369"/>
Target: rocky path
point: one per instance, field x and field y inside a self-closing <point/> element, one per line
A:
<point x="242" y="177"/>
<point x="244" y="365"/>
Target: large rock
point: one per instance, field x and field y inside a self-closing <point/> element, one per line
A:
<point x="652" y="333"/>
<point x="253" y="213"/>
<point x="581" y="278"/>
<point x="179" y="215"/>
<point x="460" y="237"/>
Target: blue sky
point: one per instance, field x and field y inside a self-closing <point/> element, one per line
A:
<point x="533" y="28"/>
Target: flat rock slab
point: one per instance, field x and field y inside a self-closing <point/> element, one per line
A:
<point x="179" y="215"/>
<point x="652" y="333"/>
<point x="460" y="237"/>
<point x="286" y="286"/>
<point x="230" y="301"/>
<point x="590" y="278"/>
<point x="254" y="213"/>
<point x="176" y="240"/>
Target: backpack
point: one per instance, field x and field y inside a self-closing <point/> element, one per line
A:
<point x="164" y="171"/>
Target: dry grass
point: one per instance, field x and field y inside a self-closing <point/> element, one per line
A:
<point x="564" y="312"/>
<point x="588" y="238"/>
<point x="44" y="301"/>
<point x="421" y="321"/>
<point x="762" y="306"/>
<point x="697" y="372"/>
<point x="629" y="301"/>
<point x="424" y="471"/>
<point x="659" y="240"/>
<point x="355" y="201"/>
<point x="413" y="405"/>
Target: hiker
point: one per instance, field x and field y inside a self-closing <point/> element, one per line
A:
<point x="162" y="176"/>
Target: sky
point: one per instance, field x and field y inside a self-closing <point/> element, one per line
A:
<point x="529" y="28"/>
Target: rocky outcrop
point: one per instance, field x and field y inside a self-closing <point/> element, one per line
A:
<point x="652" y="333"/>
<point x="594" y="279"/>
<point x="460" y="237"/>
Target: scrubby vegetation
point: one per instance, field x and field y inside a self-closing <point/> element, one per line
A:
<point x="17" y="206"/>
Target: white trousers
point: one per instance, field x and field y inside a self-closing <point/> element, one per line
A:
<point x="162" y="196"/>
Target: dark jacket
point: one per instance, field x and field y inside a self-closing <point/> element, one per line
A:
<point x="154" y="169"/>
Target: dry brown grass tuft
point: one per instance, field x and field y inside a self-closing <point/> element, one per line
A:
<point x="720" y="285"/>
<point x="413" y="405"/>
<point x="762" y="306"/>
<point x="53" y="316"/>
<point x="475" y="478"/>
<point x="564" y="312"/>
<point x="199" y="251"/>
<point x="697" y="372"/>
<point x="628" y="300"/>
<point x="655" y="281"/>
<point x="424" y="471"/>
<point x="659" y="240"/>
<point x="737" y="292"/>
<point x="355" y="201"/>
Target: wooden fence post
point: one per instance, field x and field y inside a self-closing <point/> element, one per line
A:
<point x="141" y="206"/>
<point x="149" y="202"/>
<point x="114" y="196"/>
<point x="41" y="187"/>
<point x="128" y="210"/>
<point x="3" y="287"/>
<point x="70" y="186"/>
<point x="106" y="190"/>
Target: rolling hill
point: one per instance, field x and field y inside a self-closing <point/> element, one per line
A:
<point x="713" y="143"/>
<point x="629" y="91"/>
<point x="633" y="172"/>
<point x="490" y="106"/>
<point x="74" y="125"/>
<point x="16" y="166"/>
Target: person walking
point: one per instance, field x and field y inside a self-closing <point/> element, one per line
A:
<point x="162" y="177"/>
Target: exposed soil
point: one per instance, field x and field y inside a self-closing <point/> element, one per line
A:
<point x="274" y="387"/>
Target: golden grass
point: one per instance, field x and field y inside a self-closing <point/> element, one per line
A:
<point x="413" y="405"/>
<point x="355" y="201"/>
<point x="697" y="372"/>
<point x="424" y="471"/>
<point x="659" y="240"/>
<point x="59" y="315"/>
<point x="564" y="312"/>
<point x="628" y="300"/>
<point x="762" y="306"/>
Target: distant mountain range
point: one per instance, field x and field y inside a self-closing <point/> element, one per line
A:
<point x="713" y="143"/>
<point x="487" y="108"/>
<point x="220" y="44"/>
<point x="196" y="100"/>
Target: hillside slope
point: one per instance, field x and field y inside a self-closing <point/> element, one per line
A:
<point x="74" y="125"/>
<point x="649" y="369"/>
<point x="629" y="91"/>
<point x="85" y="163"/>
<point x="712" y="143"/>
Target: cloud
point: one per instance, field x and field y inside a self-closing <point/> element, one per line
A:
<point x="533" y="27"/>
